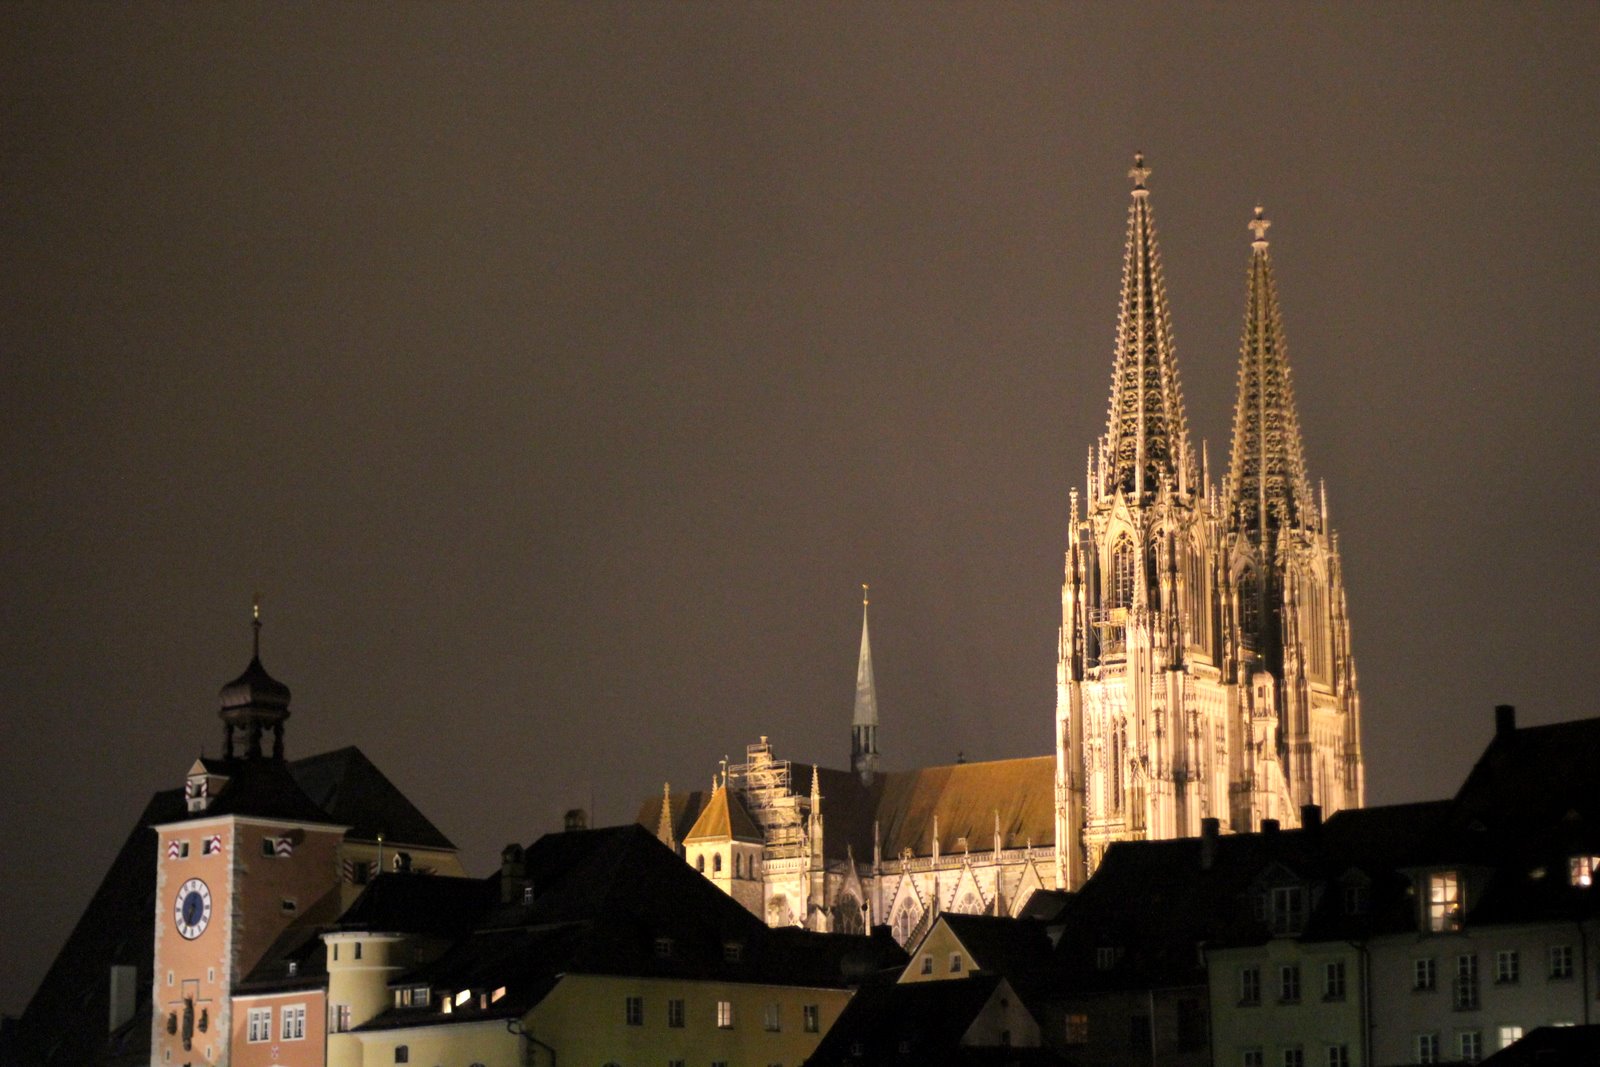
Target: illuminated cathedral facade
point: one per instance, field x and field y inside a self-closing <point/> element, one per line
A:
<point x="1204" y="671"/>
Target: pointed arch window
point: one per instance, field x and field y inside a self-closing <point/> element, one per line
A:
<point x="1120" y="595"/>
<point x="1119" y="742"/>
<point x="1155" y="562"/>
<point x="1250" y="605"/>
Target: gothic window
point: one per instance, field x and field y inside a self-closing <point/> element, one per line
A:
<point x="716" y="863"/>
<point x="1155" y="561"/>
<point x="904" y="920"/>
<point x="1120" y="595"/>
<point x="700" y="864"/>
<point x="847" y="917"/>
<point x="1195" y="614"/>
<point x="1118" y="743"/>
<point x="1249" y="605"/>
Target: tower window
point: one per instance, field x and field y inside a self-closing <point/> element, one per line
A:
<point x="1120" y="595"/>
<point x="1250" y="605"/>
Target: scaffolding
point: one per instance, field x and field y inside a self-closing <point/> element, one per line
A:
<point x="766" y="786"/>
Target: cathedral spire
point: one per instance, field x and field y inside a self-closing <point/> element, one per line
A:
<point x="864" y="726"/>
<point x="1147" y="435"/>
<point x="1267" y="484"/>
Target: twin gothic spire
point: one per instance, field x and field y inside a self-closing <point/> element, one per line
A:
<point x="1146" y="443"/>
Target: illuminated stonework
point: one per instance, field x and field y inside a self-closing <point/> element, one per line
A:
<point x="1204" y="665"/>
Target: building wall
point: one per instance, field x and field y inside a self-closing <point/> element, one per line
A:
<point x="1401" y="1011"/>
<point x="361" y="984"/>
<point x="1314" y="1022"/>
<point x="584" y="1019"/>
<point x="307" y="1051"/>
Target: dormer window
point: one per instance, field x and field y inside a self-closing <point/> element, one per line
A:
<point x="663" y="948"/>
<point x="733" y="951"/>
<point x="1581" y="870"/>
<point x="1444" y="902"/>
<point x="1286" y="909"/>
<point x="1106" y="957"/>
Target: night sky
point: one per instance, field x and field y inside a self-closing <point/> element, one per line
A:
<point x="558" y="373"/>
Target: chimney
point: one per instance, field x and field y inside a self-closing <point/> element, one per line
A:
<point x="1209" y="830"/>
<point x="1311" y="820"/>
<point x="576" y="819"/>
<point x="1505" y="720"/>
<point x="513" y="874"/>
<point x="1269" y="826"/>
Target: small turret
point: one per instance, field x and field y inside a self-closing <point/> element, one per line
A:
<point x="253" y="704"/>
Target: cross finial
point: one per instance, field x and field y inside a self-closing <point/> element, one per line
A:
<point x="1139" y="172"/>
<point x="1259" y="226"/>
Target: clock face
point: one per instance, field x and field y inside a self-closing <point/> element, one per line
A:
<point x="193" y="908"/>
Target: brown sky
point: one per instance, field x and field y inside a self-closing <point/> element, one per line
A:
<point x="558" y="372"/>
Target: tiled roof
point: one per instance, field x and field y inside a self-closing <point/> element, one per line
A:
<point x="355" y="793"/>
<point x="724" y="817"/>
<point x="602" y="901"/>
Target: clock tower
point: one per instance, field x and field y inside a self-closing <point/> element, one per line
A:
<point x="253" y="856"/>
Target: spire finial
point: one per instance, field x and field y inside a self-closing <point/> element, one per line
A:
<point x="864" y="589"/>
<point x="1139" y="173"/>
<point x="255" y="625"/>
<point x="1259" y="226"/>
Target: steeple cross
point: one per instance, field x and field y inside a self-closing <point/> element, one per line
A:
<point x="1139" y="172"/>
<point x="1259" y="224"/>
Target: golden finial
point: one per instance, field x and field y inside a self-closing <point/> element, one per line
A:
<point x="1259" y="225"/>
<point x="1139" y="172"/>
<point x="864" y="600"/>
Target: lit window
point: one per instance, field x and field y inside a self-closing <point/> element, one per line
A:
<point x="1507" y="966"/>
<point x="260" y="1024"/>
<point x="675" y="1014"/>
<point x="808" y="1017"/>
<point x="1580" y="868"/>
<point x="1444" y="902"/>
<point x="772" y="1019"/>
<point x="498" y="993"/>
<point x="1509" y="1035"/>
<point x="724" y="1015"/>
<point x="1338" y="1056"/>
<point x="341" y="1018"/>
<point x="1077" y="1028"/>
<point x="1424" y="976"/>
<point x="1289" y="983"/>
<point x="955" y="963"/>
<point x="1469" y="1046"/>
<point x="1427" y="1048"/>
<point x="1560" y="961"/>
<point x="294" y="1022"/>
<point x="1333" y="980"/>
<point x="1250" y="985"/>
<point x="633" y="1010"/>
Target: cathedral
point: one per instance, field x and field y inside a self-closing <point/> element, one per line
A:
<point x="1204" y="671"/>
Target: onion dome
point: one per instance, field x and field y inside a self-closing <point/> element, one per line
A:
<point x="253" y="704"/>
